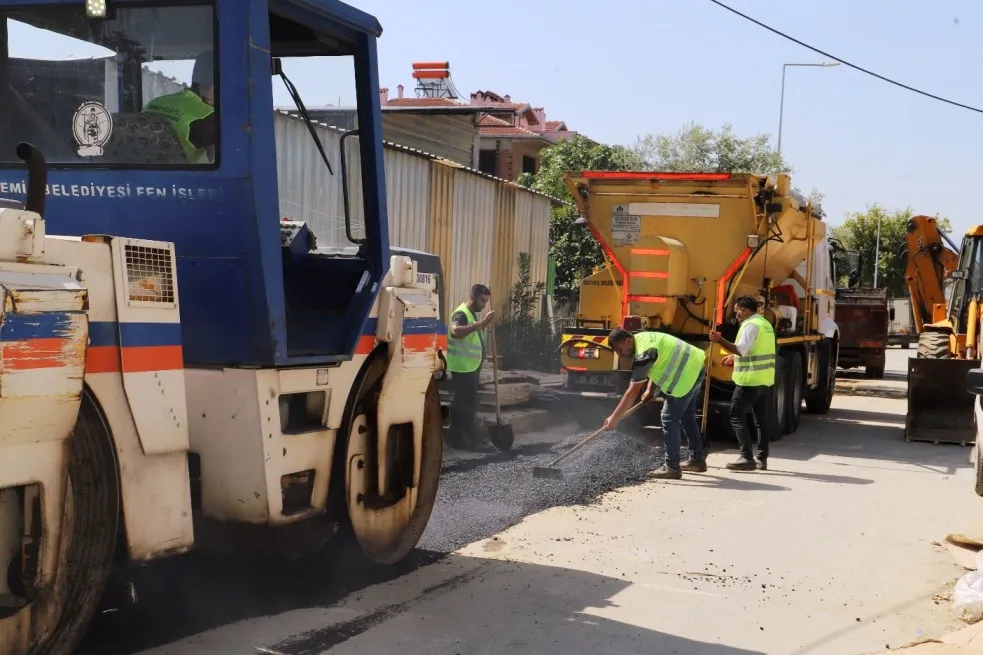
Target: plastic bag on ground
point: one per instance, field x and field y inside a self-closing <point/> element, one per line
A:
<point x="967" y="598"/>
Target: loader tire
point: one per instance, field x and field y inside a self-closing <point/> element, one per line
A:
<point x="933" y="345"/>
<point x="820" y="399"/>
<point x="91" y="521"/>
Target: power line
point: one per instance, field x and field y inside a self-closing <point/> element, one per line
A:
<point x="846" y="63"/>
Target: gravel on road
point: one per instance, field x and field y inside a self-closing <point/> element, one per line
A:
<point x="479" y="498"/>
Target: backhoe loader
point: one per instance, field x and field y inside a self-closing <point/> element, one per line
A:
<point x="939" y="407"/>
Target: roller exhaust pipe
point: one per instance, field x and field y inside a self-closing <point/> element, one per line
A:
<point x="37" y="177"/>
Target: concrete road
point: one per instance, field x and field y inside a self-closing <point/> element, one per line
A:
<point x="830" y="551"/>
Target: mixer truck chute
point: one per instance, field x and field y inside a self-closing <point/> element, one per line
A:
<point x="207" y="375"/>
<point x="680" y="248"/>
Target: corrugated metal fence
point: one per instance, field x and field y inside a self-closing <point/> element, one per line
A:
<point x="477" y="224"/>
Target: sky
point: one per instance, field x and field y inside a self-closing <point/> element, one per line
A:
<point x="648" y="66"/>
<point x="652" y="66"/>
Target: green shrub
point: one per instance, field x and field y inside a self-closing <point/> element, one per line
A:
<point x="524" y="339"/>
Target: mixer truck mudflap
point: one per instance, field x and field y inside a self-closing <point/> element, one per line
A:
<point x="940" y="410"/>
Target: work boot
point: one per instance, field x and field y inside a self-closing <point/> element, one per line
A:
<point x="665" y="473"/>
<point x="762" y="464"/>
<point x="693" y="466"/>
<point x="743" y="464"/>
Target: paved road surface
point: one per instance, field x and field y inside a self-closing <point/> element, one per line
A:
<point x="829" y="552"/>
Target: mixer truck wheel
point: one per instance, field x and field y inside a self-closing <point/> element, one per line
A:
<point x="933" y="345"/>
<point x="794" y="380"/>
<point x="88" y="538"/>
<point x="388" y="529"/>
<point x="770" y="407"/>
<point x="820" y="399"/>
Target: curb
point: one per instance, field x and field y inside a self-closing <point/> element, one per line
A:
<point x="523" y="421"/>
<point x="871" y="391"/>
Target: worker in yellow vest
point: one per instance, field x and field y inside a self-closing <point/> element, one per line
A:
<point x="753" y="358"/>
<point x="191" y="112"/>
<point x="676" y="368"/>
<point x="465" y="355"/>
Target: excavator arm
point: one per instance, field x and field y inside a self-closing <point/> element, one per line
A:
<point x="929" y="262"/>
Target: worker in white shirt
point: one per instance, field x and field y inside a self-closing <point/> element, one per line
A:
<point x="753" y="358"/>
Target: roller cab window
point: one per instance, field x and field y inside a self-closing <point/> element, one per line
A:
<point x="134" y="89"/>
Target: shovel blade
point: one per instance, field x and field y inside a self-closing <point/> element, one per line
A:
<point x="547" y="472"/>
<point x="501" y="436"/>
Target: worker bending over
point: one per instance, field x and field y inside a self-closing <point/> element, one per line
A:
<point x="465" y="355"/>
<point x="676" y="368"/>
<point x="753" y="359"/>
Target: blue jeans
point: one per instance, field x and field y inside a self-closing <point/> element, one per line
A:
<point x="678" y="416"/>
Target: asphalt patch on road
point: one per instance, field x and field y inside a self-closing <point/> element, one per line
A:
<point x="476" y="501"/>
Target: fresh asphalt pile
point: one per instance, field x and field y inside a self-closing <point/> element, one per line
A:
<point x="477" y="499"/>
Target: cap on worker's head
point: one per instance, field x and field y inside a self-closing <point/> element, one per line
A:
<point x="618" y="335"/>
<point x="204" y="72"/>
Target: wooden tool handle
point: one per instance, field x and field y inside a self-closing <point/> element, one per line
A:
<point x="494" y="354"/>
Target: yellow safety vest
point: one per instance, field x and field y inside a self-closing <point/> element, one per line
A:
<point x="464" y="355"/>
<point x="678" y="366"/>
<point x="181" y="110"/>
<point x="757" y="368"/>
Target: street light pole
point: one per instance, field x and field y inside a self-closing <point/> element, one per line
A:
<point x="877" y="250"/>
<point x="781" y="108"/>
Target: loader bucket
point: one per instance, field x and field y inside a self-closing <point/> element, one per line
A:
<point x="940" y="410"/>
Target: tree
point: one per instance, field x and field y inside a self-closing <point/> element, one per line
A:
<point x="574" y="248"/>
<point x="695" y="148"/>
<point x="858" y="233"/>
<point x="698" y="149"/>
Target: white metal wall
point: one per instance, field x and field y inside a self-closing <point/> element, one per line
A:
<point x="307" y="191"/>
<point x="474" y="234"/>
<point x="408" y="199"/>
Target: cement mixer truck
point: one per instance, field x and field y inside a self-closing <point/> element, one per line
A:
<point x="679" y="249"/>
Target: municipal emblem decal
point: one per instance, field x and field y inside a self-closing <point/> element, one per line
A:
<point x="92" y="127"/>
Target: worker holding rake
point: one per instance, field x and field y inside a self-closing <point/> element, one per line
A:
<point x="677" y="369"/>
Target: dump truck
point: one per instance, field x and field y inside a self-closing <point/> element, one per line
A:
<point x="862" y="316"/>
<point x="179" y="367"/>
<point x="940" y="410"/>
<point x="679" y="249"/>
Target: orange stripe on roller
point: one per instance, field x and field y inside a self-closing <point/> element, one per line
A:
<point x="442" y="342"/>
<point x="34" y="354"/>
<point x="144" y="359"/>
<point x="647" y="299"/>
<point x="599" y="339"/>
<point x="655" y="252"/>
<point x="419" y="342"/>
<point x="366" y="344"/>
<point x="102" y="359"/>
<point x="658" y="275"/>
